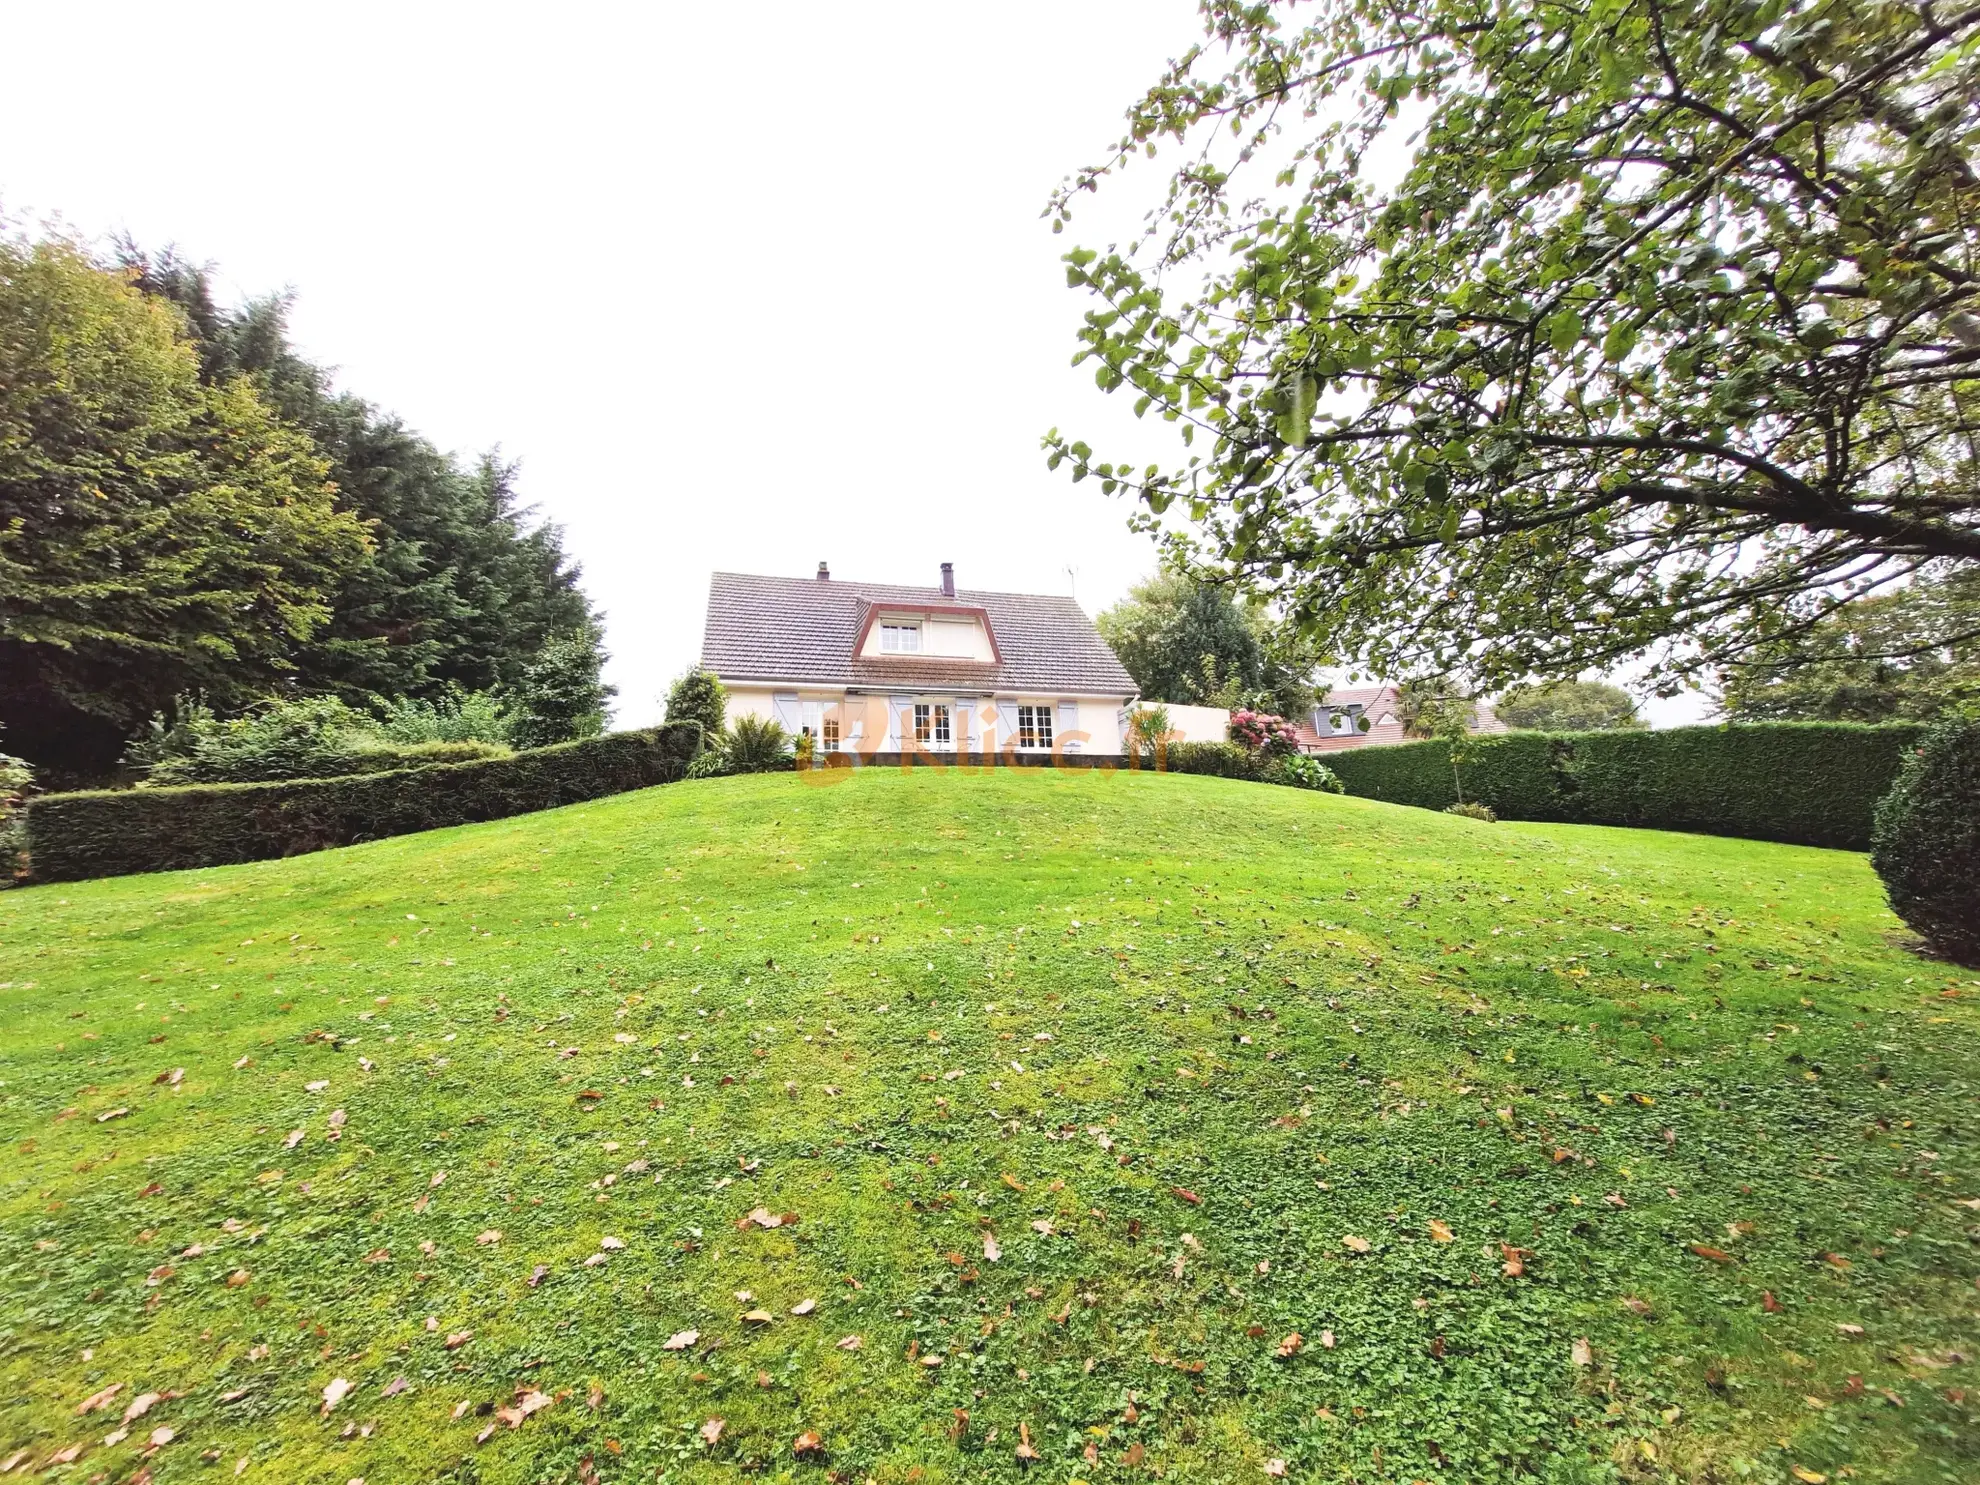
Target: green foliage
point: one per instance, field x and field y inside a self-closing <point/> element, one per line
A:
<point x="757" y="745"/>
<point x="698" y="696"/>
<point x="712" y="763"/>
<point x="1302" y="772"/>
<point x="1926" y="845"/>
<point x="461" y="591"/>
<point x="310" y="738"/>
<point x="559" y="697"/>
<point x="472" y="716"/>
<point x="16" y="781"/>
<point x="1810" y="783"/>
<point x="1568" y="706"/>
<point x="1192" y="644"/>
<point x="116" y="832"/>
<point x="1471" y="809"/>
<point x="1351" y="938"/>
<point x="1224" y="760"/>
<point x="1434" y="708"/>
<point x="159" y="534"/>
<point x="1147" y="726"/>
<point x="1663" y="337"/>
<point x="1911" y="655"/>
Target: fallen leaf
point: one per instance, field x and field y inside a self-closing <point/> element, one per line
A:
<point x="851" y="1343"/>
<point x="1852" y="1331"/>
<point x="143" y="1403"/>
<point x="804" y="1307"/>
<point x="711" y="1431"/>
<point x="457" y="1339"/>
<point x="333" y="1394"/>
<point x="680" y="1340"/>
<point x="1768" y="1303"/>
<point x="991" y="1252"/>
<point x="1327" y="1339"/>
<point x="1355" y="1244"/>
<point x="807" y="1443"/>
<point x="394" y="1387"/>
<point x="1276" y="1468"/>
<point x="1515" y="1264"/>
<point x="238" y="1278"/>
<point x="105" y="1117"/>
<point x="1180" y="1194"/>
<point x="1582" y="1353"/>
<point x="758" y="1317"/>
<point x="1440" y="1230"/>
<point x="611" y="1244"/>
<point x="489" y="1238"/>
<point x="1811" y="1477"/>
<point x="1025" y="1452"/>
<point x="1043" y="1225"/>
<point x="98" y="1399"/>
<point x="1290" y="1345"/>
<point x="1717" y="1255"/>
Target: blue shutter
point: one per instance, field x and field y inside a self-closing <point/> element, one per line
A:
<point x="1068" y="723"/>
<point x="1007" y="728"/>
<point x="900" y="710"/>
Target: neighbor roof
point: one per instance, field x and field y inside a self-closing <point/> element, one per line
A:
<point x="802" y="630"/>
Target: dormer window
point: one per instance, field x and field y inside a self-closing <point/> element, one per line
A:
<point x="900" y="639"/>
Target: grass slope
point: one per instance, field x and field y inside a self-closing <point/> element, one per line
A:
<point x="1256" y="1096"/>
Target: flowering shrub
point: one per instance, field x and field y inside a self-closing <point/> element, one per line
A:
<point x="1264" y="733"/>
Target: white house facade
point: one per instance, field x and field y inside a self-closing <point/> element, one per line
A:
<point x="872" y="668"/>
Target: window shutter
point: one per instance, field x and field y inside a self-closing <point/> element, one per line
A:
<point x="786" y="705"/>
<point x="1068" y="724"/>
<point x="900" y="710"/>
<point x="1007" y="728"/>
<point x="964" y="722"/>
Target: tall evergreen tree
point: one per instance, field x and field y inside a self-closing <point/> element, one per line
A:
<point x="462" y="589"/>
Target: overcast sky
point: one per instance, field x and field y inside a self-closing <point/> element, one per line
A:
<point x="740" y="287"/>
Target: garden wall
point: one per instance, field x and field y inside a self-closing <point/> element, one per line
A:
<point x="105" y="833"/>
<point x="1807" y="783"/>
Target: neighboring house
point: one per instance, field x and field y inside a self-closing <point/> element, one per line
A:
<point x="873" y="668"/>
<point x="1369" y="716"/>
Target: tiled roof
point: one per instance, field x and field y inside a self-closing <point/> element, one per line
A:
<point x="1376" y="703"/>
<point x="801" y="630"/>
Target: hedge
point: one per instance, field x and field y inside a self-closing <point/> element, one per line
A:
<point x="1806" y="783"/>
<point x="105" y="833"/>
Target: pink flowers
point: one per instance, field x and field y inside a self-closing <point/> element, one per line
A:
<point x="1263" y="732"/>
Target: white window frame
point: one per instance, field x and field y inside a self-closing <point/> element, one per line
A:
<point x="1035" y="727"/>
<point x="900" y="638"/>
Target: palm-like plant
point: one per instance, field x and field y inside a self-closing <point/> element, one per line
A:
<point x="758" y="745"/>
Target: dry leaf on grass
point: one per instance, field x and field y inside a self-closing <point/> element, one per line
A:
<point x="804" y="1307"/>
<point x="1581" y="1352"/>
<point x="711" y="1431"/>
<point x="143" y="1403"/>
<point x="489" y="1238"/>
<point x="991" y="1252"/>
<point x="98" y="1399"/>
<point x="1355" y="1244"/>
<point x="680" y="1340"/>
<point x="337" y="1390"/>
<point x="851" y="1343"/>
<point x="807" y="1443"/>
<point x="1440" y="1230"/>
<point x="1290" y="1345"/>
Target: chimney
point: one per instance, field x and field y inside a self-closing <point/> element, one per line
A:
<point x="948" y="580"/>
<point x="824" y="573"/>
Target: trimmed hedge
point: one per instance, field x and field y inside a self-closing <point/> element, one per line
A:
<point x="1806" y="783"/>
<point x="107" y="833"/>
<point x="1926" y="846"/>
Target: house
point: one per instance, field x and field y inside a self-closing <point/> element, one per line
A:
<point x="1369" y="716"/>
<point x="873" y="668"/>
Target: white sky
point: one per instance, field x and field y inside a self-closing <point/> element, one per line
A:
<point x="740" y="288"/>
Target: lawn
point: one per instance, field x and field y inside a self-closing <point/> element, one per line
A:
<point x="947" y="1127"/>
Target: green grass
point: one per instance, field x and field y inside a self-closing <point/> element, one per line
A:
<point x="919" y="1010"/>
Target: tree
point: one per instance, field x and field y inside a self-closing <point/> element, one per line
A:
<point x="461" y="592"/>
<point x="159" y="534"/>
<point x="559" y="696"/>
<point x="697" y="696"/>
<point x="1434" y="708"/>
<point x="1912" y="655"/>
<point x="1665" y="342"/>
<point x="1192" y="644"/>
<point x="1568" y="706"/>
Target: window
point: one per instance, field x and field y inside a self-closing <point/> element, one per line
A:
<point x="931" y="723"/>
<point x="900" y="639"/>
<point x="829" y="730"/>
<point x="1034" y="727"/>
<point x="941" y="726"/>
<point x="921" y="724"/>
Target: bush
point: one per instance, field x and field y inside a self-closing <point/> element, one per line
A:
<point x="1302" y="772"/>
<point x="312" y="738"/>
<point x="1926" y="844"/>
<point x="1224" y="760"/>
<point x="16" y="779"/>
<point x="464" y="716"/>
<point x="1808" y="783"/>
<point x="758" y="745"/>
<point x="1264" y="733"/>
<point x="114" y="832"/>
<point x="712" y="764"/>
<point x="1471" y="809"/>
<point x="559" y="696"/>
<point x="699" y="697"/>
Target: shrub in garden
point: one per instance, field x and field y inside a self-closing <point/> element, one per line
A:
<point x="1224" y="760"/>
<point x="1147" y="725"/>
<point x="758" y="745"/>
<point x="1925" y="843"/>
<point x="699" y="697"/>
<point x="1302" y="772"/>
<point x="312" y="738"/>
<point x="16" y="778"/>
<point x="1471" y="809"/>
<point x="1264" y="733"/>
